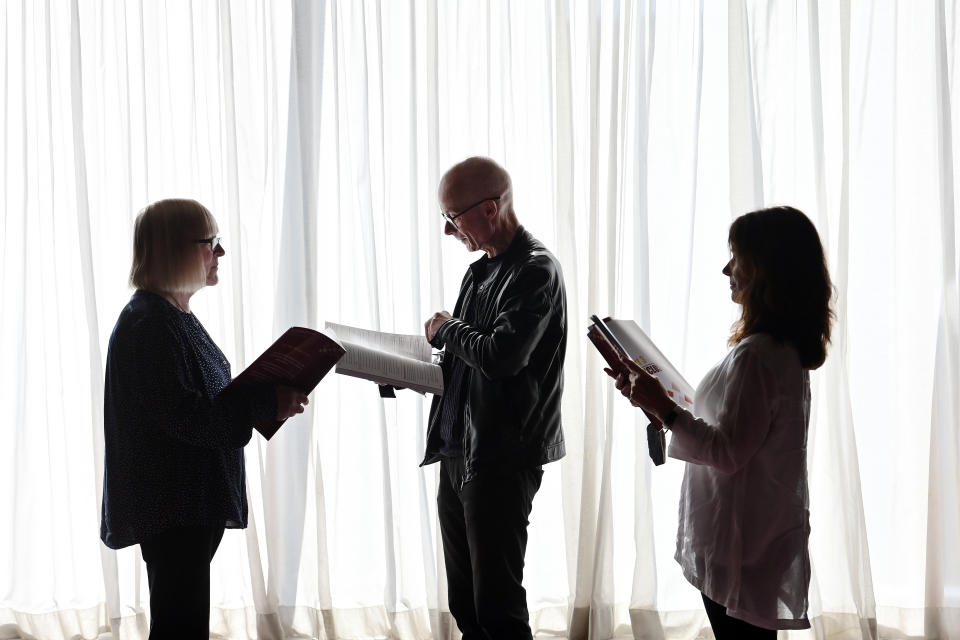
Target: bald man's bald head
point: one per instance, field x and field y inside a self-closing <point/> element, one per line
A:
<point x="474" y="179"/>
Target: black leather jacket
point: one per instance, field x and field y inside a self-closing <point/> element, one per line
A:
<point x="514" y="356"/>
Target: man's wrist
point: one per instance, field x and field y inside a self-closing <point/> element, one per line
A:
<point x="446" y="323"/>
<point x="438" y="338"/>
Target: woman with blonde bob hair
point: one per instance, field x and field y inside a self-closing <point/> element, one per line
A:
<point x="174" y="469"/>
<point x="744" y="505"/>
<point x="166" y="236"/>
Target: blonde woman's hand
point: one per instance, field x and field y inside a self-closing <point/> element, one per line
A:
<point x="290" y="401"/>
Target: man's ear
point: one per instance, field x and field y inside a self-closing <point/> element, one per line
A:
<point x="491" y="208"/>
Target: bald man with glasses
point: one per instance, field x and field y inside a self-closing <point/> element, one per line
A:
<point x="498" y="420"/>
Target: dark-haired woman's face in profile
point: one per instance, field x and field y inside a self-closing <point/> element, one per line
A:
<point x="738" y="277"/>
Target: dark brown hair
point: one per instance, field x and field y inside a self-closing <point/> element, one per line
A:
<point x="166" y="256"/>
<point x="788" y="292"/>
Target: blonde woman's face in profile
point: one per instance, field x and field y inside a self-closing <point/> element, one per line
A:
<point x="739" y="277"/>
<point x="211" y="258"/>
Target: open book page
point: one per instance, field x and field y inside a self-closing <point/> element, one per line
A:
<point x="409" y="346"/>
<point x="641" y="349"/>
<point x="388" y="358"/>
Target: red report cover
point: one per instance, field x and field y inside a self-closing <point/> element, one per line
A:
<point x="300" y="358"/>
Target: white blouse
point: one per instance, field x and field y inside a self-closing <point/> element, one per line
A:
<point x="744" y="505"/>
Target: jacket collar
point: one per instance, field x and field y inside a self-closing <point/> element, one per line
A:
<point x="522" y="240"/>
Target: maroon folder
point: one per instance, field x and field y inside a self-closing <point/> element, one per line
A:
<point x="299" y="359"/>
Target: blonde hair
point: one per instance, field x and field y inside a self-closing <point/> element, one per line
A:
<point x="166" y="256"/>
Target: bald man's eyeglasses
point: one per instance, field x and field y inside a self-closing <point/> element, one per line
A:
<point x="452" y="217"/>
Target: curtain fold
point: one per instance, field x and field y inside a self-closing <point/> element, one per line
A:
<point x="943" y="561"/>
<point x="634" y="130"/>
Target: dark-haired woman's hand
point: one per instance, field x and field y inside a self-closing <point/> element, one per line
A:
<point x="642" y="389"/>
<point x="624" y="375"/>
<point x="621" y="379"/>
<point x="290" y="401"/>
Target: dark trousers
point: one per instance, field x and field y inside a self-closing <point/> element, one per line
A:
<point x="178" y="570"/>
<point x="484" y="529"/>
<point x="727" y="628"/>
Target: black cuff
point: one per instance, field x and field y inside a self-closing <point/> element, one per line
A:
<point x="386" y="391"/>
<point x="671" y="416"/>
<point x="439" y="338"/>
<point x="263" y="403"/>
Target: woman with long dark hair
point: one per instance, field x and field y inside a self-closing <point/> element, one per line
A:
<point x="744" y="505"/>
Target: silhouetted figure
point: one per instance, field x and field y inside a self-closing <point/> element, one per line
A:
<point x="174" y="473"/>
<point x="498" y="420"/>
<point x="744" y="505"/>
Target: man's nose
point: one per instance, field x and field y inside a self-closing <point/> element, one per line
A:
<point x="449" y="229"/>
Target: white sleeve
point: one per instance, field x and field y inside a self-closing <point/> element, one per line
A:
<point x="747" y="405"/>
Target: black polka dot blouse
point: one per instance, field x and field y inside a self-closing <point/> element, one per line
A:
<point x="173" y="441"/>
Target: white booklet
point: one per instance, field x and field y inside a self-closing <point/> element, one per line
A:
<point x="388" y="358"/>
<point x="626" y="336"/>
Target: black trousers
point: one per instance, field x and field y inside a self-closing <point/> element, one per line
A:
<point x="484" y="529"/>
<point x="178" y="570"/>
<point x="727" y="628"/>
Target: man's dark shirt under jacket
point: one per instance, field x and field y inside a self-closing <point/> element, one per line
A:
<point x="455" y="388"/>
<point x="508" y="333"/>
<point x="173" y="442"/>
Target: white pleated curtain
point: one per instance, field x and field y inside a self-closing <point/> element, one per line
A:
<point x="634" y="131"/>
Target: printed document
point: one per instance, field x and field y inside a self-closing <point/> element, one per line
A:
<point x="394" y="359"/>
<point x="627" y="336"/>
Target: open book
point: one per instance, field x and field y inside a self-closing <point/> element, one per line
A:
<point x="388" y="358"/>
<point x="612" y="337"/>
<point x="299" y="359"/>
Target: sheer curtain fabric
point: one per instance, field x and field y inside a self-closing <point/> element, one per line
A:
<point x="316" y="131"/>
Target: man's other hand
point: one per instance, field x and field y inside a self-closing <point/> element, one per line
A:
<point x="433" y="325"/>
